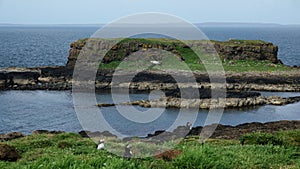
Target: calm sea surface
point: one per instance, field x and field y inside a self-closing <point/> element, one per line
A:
<point x="26" y="111"/>
<point x="43" y="46"/>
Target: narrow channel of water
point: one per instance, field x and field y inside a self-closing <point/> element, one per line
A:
<point x="25" y="111"/>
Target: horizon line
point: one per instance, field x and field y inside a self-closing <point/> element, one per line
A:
<point x="196" y="23"/>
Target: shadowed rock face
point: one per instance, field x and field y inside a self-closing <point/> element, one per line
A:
<point x="243" y="50"/>
<point x="191" y="93"/>
<point x="60" y="78"/>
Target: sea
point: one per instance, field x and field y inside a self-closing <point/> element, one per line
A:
<point x="31" y="46"/>
<point x="27" y="46"/>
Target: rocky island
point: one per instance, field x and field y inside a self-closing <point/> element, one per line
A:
<point x="249" y="65"/>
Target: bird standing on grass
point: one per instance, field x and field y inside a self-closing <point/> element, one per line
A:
<point x="101" y="144"/>
<point x="128" y="152"/>
<point x="154" y="63"/>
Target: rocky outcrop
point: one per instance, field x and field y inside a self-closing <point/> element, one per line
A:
<point x="11" y="136"/>
<point x="244" y="50"/>
<point x="172" y="102"/>
<point x="46" y="132"/>
<point x="43" y="78"/>
<point x="235" y="132"/>
<point x="87" y="134"/>
<point x="8" y="153"/>
<point x="228" y="132"/>
<point x="60" y="78"/>
<point x="229" y="50"/>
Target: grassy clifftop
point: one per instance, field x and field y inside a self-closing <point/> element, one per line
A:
<point x="235" y="55"/>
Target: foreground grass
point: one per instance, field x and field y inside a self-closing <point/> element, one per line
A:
<point x="70" y="150"/>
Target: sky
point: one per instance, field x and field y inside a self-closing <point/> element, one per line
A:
<point x="195" y="11"/>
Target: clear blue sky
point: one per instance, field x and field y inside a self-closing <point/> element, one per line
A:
<point x="196" y="11"/>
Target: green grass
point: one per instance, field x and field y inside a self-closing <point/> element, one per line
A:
<point x="192" y="61"/>
<point x="70" y="150"/>
<point x="172" y="63"/>
<point x="254" y="66"/>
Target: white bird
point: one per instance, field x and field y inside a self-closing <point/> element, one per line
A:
<point x="189" y="125"/>
<point x="128" y="152"/>
<point x="100" y="145"/>
<point x="155" y="62"/>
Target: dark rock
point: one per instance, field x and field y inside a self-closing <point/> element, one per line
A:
<point x="8" y="153"/>
<point x="11" y="136"/>
<point x="156" y="133"/>
<point x="46" y="132"/>
<point x="168" y="155"/>
<point x="235" y="132"/>
<point x="192" y="93"/>
<point x="88" y="134"/>
<point x="105" y="105"/>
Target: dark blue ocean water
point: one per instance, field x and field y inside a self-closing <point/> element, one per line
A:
<point x="43" y="46"/>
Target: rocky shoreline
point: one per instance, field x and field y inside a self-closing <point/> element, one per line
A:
<point x="60" y="78"/>
<point x="221" y="131"/>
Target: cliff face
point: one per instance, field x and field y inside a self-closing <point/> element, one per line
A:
<point x="229" y="50"/>
<point x="242" y="50"/>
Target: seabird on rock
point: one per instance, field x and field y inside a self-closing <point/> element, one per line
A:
<point x="189" y="125"/>
<point x="101" y="144"/>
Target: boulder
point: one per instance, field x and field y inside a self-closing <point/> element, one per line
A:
<point x="46" y="132"/>
<point x="168" y="155"/>
<point x="8" y="153"/>
<point x="11" y="136"/>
